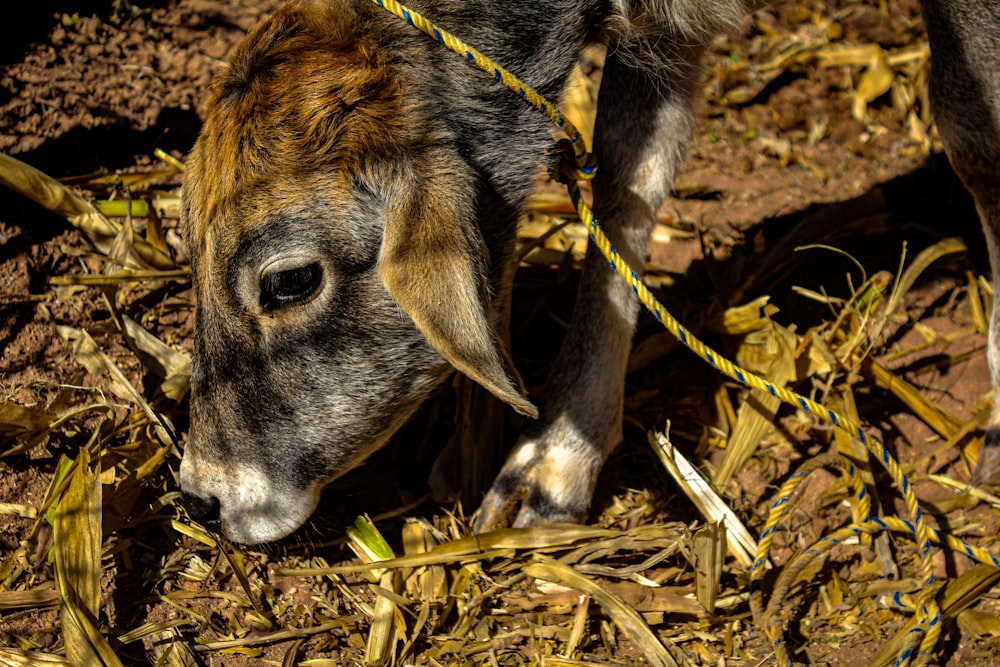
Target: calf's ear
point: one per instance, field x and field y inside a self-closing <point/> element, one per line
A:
<point x="434" y="263"/>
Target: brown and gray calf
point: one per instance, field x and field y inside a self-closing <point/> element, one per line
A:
<point x="351" y="209"/>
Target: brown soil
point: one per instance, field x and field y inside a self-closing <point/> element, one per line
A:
<point x="94" y="86"/>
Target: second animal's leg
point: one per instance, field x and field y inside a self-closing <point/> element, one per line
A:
<point x="643" y="127"/>
<point x="965" y="97"/>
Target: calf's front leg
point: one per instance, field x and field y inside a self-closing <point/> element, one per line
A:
<point x="643" y="127"/>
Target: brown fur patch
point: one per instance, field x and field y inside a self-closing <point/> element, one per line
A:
<point x="306" y="92"/>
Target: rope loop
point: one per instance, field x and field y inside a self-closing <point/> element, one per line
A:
<point x="567" y="167"/>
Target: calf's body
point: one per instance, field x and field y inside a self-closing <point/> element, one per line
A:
<point x="350" y="210"/>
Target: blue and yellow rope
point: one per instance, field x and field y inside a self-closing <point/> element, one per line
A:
<point x="585" y="163"/>
<point x="923" y="606"/>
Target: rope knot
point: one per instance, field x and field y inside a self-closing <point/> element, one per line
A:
<point x="566" y="166"/>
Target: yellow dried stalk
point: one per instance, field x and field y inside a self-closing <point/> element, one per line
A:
<point x="386" y="620"/>
<point x="76" y="548"/>
<point x="943" y="422"/>
<point x="663" y="539"/>
<point x="37" y="598"/>
<point x="428" y="583"/>
<point x="626" y="618"/>
<point x="167" y="207"/>
<point x="17" y="658"/>
<point x="986" y="289"/>
<point x="194" y="531"/>
<point x="711" y="506"/>
<point x="709" y="549"/>
<point x="367" y="542"/>
<point x="645" y="597"/>
<point x="161" y="154"/>
<point x="933" y="339"/>
<point x="291" y="655"/>
<point x="968" y="439"/>
<point x="920" y="264"/>
<point x="744" y="319"/>
<point x="487" y="545"/>
<point x="237" y="563"/>
<point x="174" y="596"/>
<point x="979" y="494"/>
<point x="341" y="623"/>
<point x="150" y="629"/>
<point x="967" y="589"/>
<point x="579" y="624"/>
<point x="980" y="317"/>
<point x="118" y="179"/>
<point x="122" y="276"/>
<point x="876" y="80"/>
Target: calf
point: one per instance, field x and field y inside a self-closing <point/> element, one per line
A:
<point x="350" y="210"/>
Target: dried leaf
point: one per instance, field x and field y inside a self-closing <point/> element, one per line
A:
<point x="979" y="623"/>
<point x="967" y="589"/>
<point x="756" y="415"/>
<point x="741" y="320"/>
<point x="18" y="658"/>
<point x="194" y="532"/>
<point x="172" y="365"/>
<point x="94" y="360"/>
<point x="626" y="618"/>
<point x="709" y="503"/>
<point x="37" y="598"/>
<point x="171" y="649"/>
<point x="76" y="547"/>
<point x="53" y="195"/>
<point x="709" y="549"/>
<point x="483" y="546"/>
<point x="21" y="419"/>
<point x="367" y="542"/>
<point x="927" y="257"/>
<point x="938" y="418"/>
<point x="875" y="81"/>
<point x="429" y="583"/>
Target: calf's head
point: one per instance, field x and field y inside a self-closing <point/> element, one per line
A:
<point x="338" y="270"/>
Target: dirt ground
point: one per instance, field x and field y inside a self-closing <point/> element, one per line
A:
<point x="790" y="152"/>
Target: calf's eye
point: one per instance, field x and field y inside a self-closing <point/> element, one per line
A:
<point x="286" y="287"/>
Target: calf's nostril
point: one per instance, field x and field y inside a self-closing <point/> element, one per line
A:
<point x="204" y="511"/>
